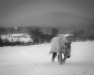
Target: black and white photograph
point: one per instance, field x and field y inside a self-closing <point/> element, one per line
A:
<point x="46" y="37"/>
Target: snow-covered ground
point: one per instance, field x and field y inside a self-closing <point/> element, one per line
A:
<point x="36" y="60"/>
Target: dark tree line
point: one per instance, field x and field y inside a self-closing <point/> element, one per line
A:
<point x="81" y="35"/>
<point x="40" y="37"/>
<point x="36" y="34"/>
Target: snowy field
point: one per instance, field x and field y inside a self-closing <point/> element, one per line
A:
<point x="36" y="60"/>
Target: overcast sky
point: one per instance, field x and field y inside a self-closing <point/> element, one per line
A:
<point x="32" y="12"/>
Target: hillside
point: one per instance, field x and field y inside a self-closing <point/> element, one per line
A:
<point x="56" y="19"/>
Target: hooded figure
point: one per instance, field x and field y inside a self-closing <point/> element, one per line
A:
<point x="60" y="45"/>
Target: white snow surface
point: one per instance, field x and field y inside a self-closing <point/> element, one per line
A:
<point x="36" y="60"/>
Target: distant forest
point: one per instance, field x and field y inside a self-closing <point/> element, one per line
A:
<point x="44" y="34"/>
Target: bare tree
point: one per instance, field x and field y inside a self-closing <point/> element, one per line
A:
<point x="54" y="32"/>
